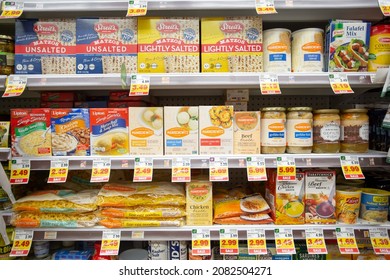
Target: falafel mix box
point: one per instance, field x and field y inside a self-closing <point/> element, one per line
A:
<point x="346" y="46"/>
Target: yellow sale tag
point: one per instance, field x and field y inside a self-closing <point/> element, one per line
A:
<point x="346" y="241"/>
<point x="11" y="9"/>
<point x="255" y="168"/>
<point x="339" y="83"/>
<point x="140" y="85"/>
<point x="20" y="171"/>
<point x="256" y="242"/>
<point x="315" y="241"/>
<point x="181" y="170"/>
<point x="200" y="242"/>
<point x="110" y="242"/>
<point x="265" y="7"/>
<point x="219" y="170"/>
<point x="380" y="240"/>
<point x="385" y="7"/>
<point x="351" y="167"/>
<point x="228" y="241"/>
<point x="22" y="243"/>
<point x="269" y="84"/>
<point x="284" y="241"/>
<point x="58" y="171"/>
<point x="286" y="170"/>
<point x="101" y="169"/>
<point x="143" y="170"/>
<point x="137" y="8"/>
<point x="15" y="86"/>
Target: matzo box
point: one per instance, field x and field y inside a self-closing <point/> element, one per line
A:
<point x="320" y="190"/>
<point x="109" y="131"/>
<point x="199" y="206"/>
<point x="168" y="45"/>
<point x="104" y="44"/>
<point x="146" y="130"/>
<point x="30" y="132"/>
<point x="181" y="130"/>
<point x="45" y="46"/>
<point x="232" y="44"/>
<point x="246" y="133"/>
<point x="215" y="130"/>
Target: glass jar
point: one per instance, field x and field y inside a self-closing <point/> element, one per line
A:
<point x="299" y="130"/>
<point x="7" y="55"/>
<point x="273" y="130"/>
<point x="326" y="131"/>
<point x="354" y="131"/>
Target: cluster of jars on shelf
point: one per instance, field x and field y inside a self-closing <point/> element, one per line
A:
<point x="300" y="130"/>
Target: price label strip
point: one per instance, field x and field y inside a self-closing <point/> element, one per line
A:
<point x="339" y="83"/>
<point x="101" y="169"/>
<point x="264" y="7"/>
<point x="315" y="241"/>
<point x="218" y="169"/>
<point x="143" y="170"/>
<point x="346" y="241"/>
<point x="201" y="242"/>
<point x="15" y="86"/>
<point x="110" y="242"/>
<point x="58" y="171"/>
<point x="137" y="8"/>
<point x="139" y="85"/>
<point x="380" y="240"/>
<point x="256" y="242"/>
<point x="255" y="169"/>
<point x="385" y="7"/>
<point x="20" y="171"/>
<point x="286" y="169"/>
<point x="284" y="241"/>
<point x="181" y="170"/>
<point x="11" y="9"/>
<point x="22" y="243"/>
<point x="269" y="84"/>
<point x="228" y="241"/>
<point x="351" y="167"/>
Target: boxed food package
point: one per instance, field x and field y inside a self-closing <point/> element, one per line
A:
<point x="320" y="201"/>
<point x="232" y="44"/>
<point x="215" y="130"/>
<point x="109" y="131"/>
<point x="199" y="201"/>
<point x="91" y="104"/>
<point x="237" y="95"/>
<point x="146" y="130"/>
<point x="45" y="46"/>
<point x="346" y="46"/>
<point x="246" y="133"/>
<point x="30" y="132"/>
<point x="181" y="130"/>
<point x="70" y="132"/>
<point x="55" y="104"/>
<point x="61" y="96"/>
<point x="104" y="44"/>
<point x="4" y="134"/>
<point x="168" y="45"/>
<point x="379" y="47"/>
<point x="238" y="106"/>
<point x="126" y="104"/>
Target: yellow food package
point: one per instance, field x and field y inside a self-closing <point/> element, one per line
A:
<point x="147" y="222"/>
<point x="199" y="205"/>
<point x="153" y="211"/>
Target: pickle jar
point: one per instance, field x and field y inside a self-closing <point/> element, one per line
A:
<point x="354" y="131"/>
<point x="299" y="130"/>
<point x="7" y="54"/>
<point x="273" y="130"/>
<point x="326" y="131"/>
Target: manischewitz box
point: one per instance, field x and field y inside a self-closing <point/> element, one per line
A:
<point x="45" y="46"/>
<point x="232" y="44"/>
<point x="103" y="44"/>
<point x="168" y="45"/>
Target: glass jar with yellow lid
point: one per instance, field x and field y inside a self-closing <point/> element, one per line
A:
<point x="354" y="131"/>
<point x="273" y="130"/>
<point x="326" y="131"/>
<point x="299" y="130"/>
<point x="7" y="54"/>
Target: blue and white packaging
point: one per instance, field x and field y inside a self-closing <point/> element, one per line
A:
<point x="177" y="250"/>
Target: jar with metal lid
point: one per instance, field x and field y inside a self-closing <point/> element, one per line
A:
<point x="7" y="55"/>
<point x="354" y="131"/>
<point x="326" y="131"/>
<point x="273" y="130"/>
<point x="299" y="130"/>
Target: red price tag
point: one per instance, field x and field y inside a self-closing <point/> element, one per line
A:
<point x="101" y="169"/>
<point x="315" y="241"/>
<point x="284" y="241"/>
<point x="380" y="240"/>
<point x="143" y="170"/>
<point x="346" y="241"/>
<point x="15" y="86"/>
<point x="256" y="242"/>
<point x="219" y="170"/>
<point x="351" y="167"/>
<point x="256" y="169"/>
<point x="110" y="242"/>
<point x="20" y="171"/>
<point x="201" y="242"/>
<point x="228" y="241"/>
<point x="58" y="171"/>
<point x="181" y="170"/>
<point x="339" y="83"/>
<point x="286" y="170"/>
<point x="269" y="84"/>
<point x="22" y="243"/>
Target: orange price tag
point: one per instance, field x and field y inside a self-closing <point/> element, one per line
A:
<point x="255" y="167"/>
<point x="265" y="7"/>
<point x="351" y="167"/>
<point x="101" y="169"/>
<point x="346" y="241"/>
<point x="110" y="242"/>
<point x="22" y="243"/>
<point x="228" y="241"/>
<point x="15" y="86"/>
<point x="315" y="241"/>
<point x="284" y="241"/>
<point x="269" y="84"/>
<point x="339" y="83"/>
<point x="58" y="171"/>
<point x="256" y="242"/>
<point x="286" y="170"/>
<point x="20" y="171"/>
<point x="137" y="8"/>
<point x="143" y="170"/>
<point x="219" y="170"/>
<point x="385" y="7"/>
<point x="139" y="85"/>
<point x="380" y="240"/>
<point x="201" y="242"/>
<point x="11" y="9"/>
<point x="181" y="170"/>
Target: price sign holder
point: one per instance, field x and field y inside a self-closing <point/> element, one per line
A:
<point x="20" y="171"/>
<point x="284" y="241"/>
<point x="110" y="242"/>
<point x="143" y="170"/>
<point x="228" y="241"/>
<point x="140" y="85"/>
<point x="351" y="167"/>
<point x="11" y="9"/>
<point x="315" y="241"/>
<point x="385" y="7"/>
<point x="218" y="169"/>
<point x="101" y="169"/>
<point x="339" y="83"/>
<point x="286" y="169"/>
<point x="200" y="242"/>
<point x="181" y="170"/>
<point x="22" y="243"/>
<point x="58" y="171"/>
<point x="137" y="8"/>
<point x="256" y="242"/>
<point x="255" y="169"/>
<point x="269" y="84"/>
<point x="264" y="7"/>
<point x="346" y="241"/>
<point x="15" y="86"/>
<point x="380" y="240"/>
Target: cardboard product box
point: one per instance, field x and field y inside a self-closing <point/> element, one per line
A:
<point x="90" y="104"/>
<point x="61" y="96"/>
<point x="199" y="205"/>
<point x="126" y="104"/>
<point x="4" y="134"/>
<point x="238" y="106"/>
<point x="237" y="95"/>
<point x="66" y="104"/>
<point x="246" y="133"/>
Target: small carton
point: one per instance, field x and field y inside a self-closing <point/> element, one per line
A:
<point x="237" y="95"/>
<point x="146" y="130"/>
<point x="199" y="203"/>
<point x="246" y="133"/>
<point x="4" y="134"/>
<point x="238" y="106"/>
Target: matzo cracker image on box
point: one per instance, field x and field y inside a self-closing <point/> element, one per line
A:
<point x="232" y="44"/>
<point x="168" y="45"/>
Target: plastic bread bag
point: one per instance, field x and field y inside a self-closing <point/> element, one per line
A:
<point x="130" y="223"/>
<point x="144" y="212"/>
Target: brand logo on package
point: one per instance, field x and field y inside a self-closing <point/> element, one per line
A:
<point x="384" y="40"/>
<point x="168" y="27"/>
<point x="19" y="114"/>
<point x="231" y="27"/>
<point x="105" y="27"/>
<point x="45" y="28"/>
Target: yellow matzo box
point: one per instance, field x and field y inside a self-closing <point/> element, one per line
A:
<point x="168" y="45"/>
<point x="232" y="44"/>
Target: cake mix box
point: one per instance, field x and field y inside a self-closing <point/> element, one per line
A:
<point x="168" y="45"/>
<point x="232" y="44"/>
<point x="246" y="133"/>
<point x="104" y="44"/>
<point x="45" y="46"/>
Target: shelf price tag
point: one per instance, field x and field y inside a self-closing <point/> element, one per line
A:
<point x="346" y="241"/>
<point x="139" y="85"/>
<point x="201" y="242"/>
<point x="11" y="9"/>
<point x="255" y="169"/>
<point x="380" y="240"/>
<point x="286" y="170"/>
<point x="181" y="170"/>
<point x="264" y="7"/>
<point x="137" y="8"/>
<point x="351" y="167"/>
<point x="143" y="170"/>
<point x="20" y="171"/>
<point x="315" y="241"/>
<point x="385" y="7"/>
<point x="228" y="241"/>
<point x="101" y="169"/>
<point x="110" y="242"/>
<point x="219" y="170"/>
<point x="256" y="242"/>
<point x="15" y="86"/>
<point x="339" y="83"/>
<point x="22" y="243"/>
<point x="269" y="84"/>
<point x="284" y="241"/>
<point x="58" y="171"/>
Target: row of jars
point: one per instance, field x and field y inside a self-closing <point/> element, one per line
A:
<point x="302" y="130"/>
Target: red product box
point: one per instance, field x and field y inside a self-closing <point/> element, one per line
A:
<point x="53" y="105"/>
<point x="58" y="96"/>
